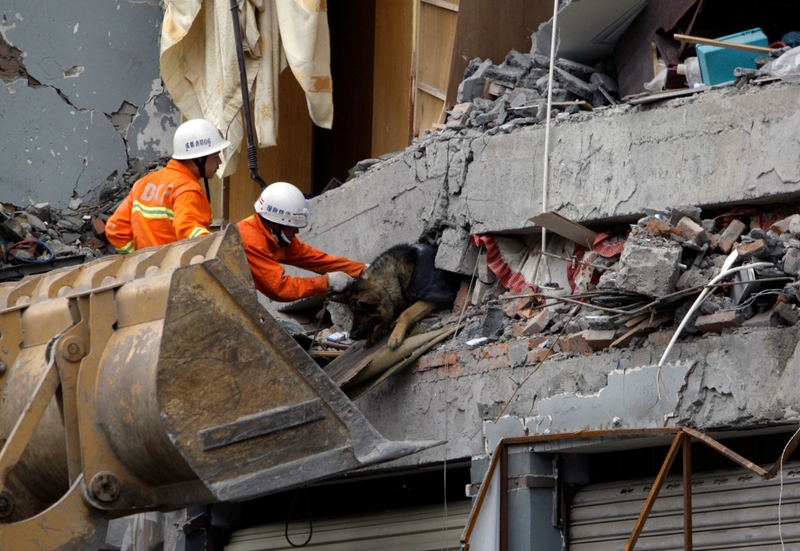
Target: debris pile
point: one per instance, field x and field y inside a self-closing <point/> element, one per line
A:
<point x="38" y="238"/>
<point x="492" y="95"/>
<point x="643" y="293"/>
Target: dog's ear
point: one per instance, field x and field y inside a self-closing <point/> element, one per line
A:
<point x="342" y="298"/>
<point x="368" y="302"/>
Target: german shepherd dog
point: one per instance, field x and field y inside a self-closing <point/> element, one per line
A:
<point x="401" y="284"/>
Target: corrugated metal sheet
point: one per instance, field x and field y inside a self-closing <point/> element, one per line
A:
<point x="731" y="509"/>
<point x="416" y="529"/>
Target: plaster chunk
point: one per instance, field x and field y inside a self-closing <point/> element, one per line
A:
<point x="631" y="399"/>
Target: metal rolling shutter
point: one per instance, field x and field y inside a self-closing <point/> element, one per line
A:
<point x="415" y="529"/>
<point x="731" y="509"/>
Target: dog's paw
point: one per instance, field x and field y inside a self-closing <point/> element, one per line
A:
<point x="395" y="341"/>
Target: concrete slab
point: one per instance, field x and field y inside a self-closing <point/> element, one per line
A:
<point x="720" y="147"/>
<point x="738" y="380"/>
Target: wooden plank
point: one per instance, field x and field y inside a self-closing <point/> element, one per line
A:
<point x="392" y="114"/>
<point x="489" y="29"/>
<point x="442" y="4"/>
<point x="437" y="29"/>
<point x="289" y="161"/>
<point x="787" y="451"/>
<point x="565" y="227"/>
<point x="633" y="51"/>
<point x="428" y="111"/>
<point x="722" y="44"/>
<point x="428" y="89"/>
<point x="727" y="452"/>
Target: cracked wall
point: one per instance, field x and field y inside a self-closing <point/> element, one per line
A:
<point x="737" y="380"/>
<point x="81" y="98"/>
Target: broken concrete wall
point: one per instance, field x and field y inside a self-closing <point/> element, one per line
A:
<point x="721" y="147"/>
<point x="725" y="146"/>
<point x="81" y="99"/>
<point x="737" y="380"/>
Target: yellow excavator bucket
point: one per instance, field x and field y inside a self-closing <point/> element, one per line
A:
<point x="156" y="381"/>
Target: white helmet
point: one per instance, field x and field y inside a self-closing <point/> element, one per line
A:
<point x="197" y="138"/>
<point x="283" y="204"/>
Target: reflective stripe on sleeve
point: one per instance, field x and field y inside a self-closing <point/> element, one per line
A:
<point x="127" y="248"/>
<point x="198" y="231"/>
<point x="162" y="213"/>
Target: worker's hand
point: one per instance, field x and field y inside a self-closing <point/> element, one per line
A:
<point x="338" y="282"/>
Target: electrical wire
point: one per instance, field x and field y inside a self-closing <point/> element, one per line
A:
<point x="50" y="255"/>
<point x="546" y="170"/>
<point x="726" y="271"/>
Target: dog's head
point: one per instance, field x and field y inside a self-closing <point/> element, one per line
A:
<point x="371" y="309"/>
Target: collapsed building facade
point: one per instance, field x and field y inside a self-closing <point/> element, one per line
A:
<point x="565" y="361"/>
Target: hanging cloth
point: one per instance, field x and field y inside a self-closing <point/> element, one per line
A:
<point x="201" y="72"/>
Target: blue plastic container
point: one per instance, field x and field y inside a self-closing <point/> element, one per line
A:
<point x="717" y="63"/>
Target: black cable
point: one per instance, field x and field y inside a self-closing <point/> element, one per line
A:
<point x="289" y="516"/>
<point x="200" y="162"/>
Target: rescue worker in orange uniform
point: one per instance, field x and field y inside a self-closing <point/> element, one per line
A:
<point x="169" y="204"/>
<point x="270" y="239"/>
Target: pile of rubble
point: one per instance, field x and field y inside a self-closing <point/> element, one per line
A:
<point x="491" y="95"/>
<point x="514" y="93"/>
<point x="38" y="238"/>
<point x="642" y="293"/>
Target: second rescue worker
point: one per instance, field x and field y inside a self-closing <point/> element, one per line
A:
<point x="168" y="204"/>
<point x="270" y="239"/>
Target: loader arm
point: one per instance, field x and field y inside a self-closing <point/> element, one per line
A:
<point x="156" y="381"/>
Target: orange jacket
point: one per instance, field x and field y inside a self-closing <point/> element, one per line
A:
<point x="164" y="206"/>
<point x="265" y="256"/>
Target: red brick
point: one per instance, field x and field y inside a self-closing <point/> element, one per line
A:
<point x="461" y="297"/>
<point x="494" y="350"/>
<point x="538" y="355"/>
<point x="575" y="344"/>
<point x="659" y="227"/>
<point x="692" y="231"/>
<point x="535" y="342"/>
<point x="756" y="249"/>
<point x="538" y="323"/>
<point x="731" y="234"/>
<point x="99" y="227"/>
<point x="598" y="340"/>
<point x="9" y="66"/>
<point x="719" y="321"/>
<point x="518" y="307"/>
<point x="436" y="360"/>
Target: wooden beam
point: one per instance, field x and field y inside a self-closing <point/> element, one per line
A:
<point x="787" y="451"/>
<point x="721" y="44"/>
<point x="651" y="498"/>
<point x="431" y="90"/>
<point x="727" y="452"/>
